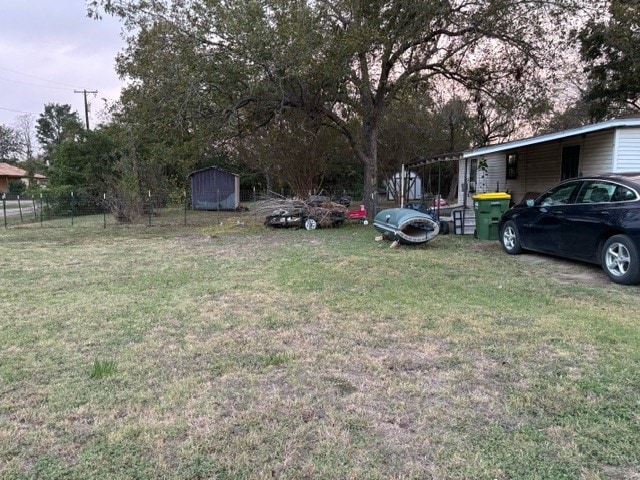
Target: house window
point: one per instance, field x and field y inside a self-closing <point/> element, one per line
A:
<point x="512" y="166"/>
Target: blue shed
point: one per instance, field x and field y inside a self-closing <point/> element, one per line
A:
<point x="213" y="188"/>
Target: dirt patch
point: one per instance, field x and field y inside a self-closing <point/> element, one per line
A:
<point x="564" y="270"/>
<point x="567" y="271"/>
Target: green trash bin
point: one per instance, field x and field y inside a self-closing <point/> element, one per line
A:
<point x="488" y="207"/>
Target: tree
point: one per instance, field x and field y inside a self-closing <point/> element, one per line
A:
<point x="343" y="62"/>
<point x="9" y="143"/>
<point x="610" y="48"/>
<point x="85" y="165"/>
<point x="24" y="130"/>
<point x="295" y="149"/>
<point x="418" y="127"/>
<point x="56" y="124"/>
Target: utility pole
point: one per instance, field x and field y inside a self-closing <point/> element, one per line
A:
<point x="86" y="105"/>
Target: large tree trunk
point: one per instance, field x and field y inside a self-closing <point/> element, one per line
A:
<point x="369" y="157"/>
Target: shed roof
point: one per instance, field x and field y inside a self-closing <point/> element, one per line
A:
<point x="213" y="168"/>
<point x="549" y="137"/>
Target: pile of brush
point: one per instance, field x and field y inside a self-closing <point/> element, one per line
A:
<point x="281" y="212"/>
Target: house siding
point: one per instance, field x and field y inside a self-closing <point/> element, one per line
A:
<point x="596" y="153"/>
<point x="495" y="178"/>
<point x="627" y="151"/>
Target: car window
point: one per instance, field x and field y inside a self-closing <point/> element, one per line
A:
<point x="623" y="194"/>
<point x="596" y="191"/>
<point x="560" y="195"/>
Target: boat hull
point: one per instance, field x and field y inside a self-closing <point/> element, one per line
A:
<point x="407" y="226"/>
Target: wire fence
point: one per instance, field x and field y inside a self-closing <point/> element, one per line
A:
<point x="47" y="210"/>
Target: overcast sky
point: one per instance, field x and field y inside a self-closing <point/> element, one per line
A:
<point x="48" y="50"/>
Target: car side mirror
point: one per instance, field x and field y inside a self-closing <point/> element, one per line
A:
<point x="530" y="202"/>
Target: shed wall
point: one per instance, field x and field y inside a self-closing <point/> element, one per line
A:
<point x="214" y="189"/>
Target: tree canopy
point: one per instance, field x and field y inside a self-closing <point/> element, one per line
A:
<point x="610" y="46"/>
<point x="205" y="70"/>
<point x="10" y="144"/>
<point x="56" y="124"/>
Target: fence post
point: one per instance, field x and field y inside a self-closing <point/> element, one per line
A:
<point x="104" y="210"/>
<point x="20" y="210"/>
<point x="218" y="201"/>
<point x="72" y="209"/>
<point x="149" y="208"/>
<point x="35" y="210"/>
<point x="4" y="208"/>
<point x="184" y="194"/>
<point x="41" y="210"/>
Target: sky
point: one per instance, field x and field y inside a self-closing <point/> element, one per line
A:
<point x="49" y="49"/>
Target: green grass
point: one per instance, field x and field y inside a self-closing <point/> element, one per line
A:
<point x="102" y="368"/>
<point x="229" y="352"/>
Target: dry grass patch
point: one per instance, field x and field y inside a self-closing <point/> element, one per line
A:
<point x="251" y="353"/>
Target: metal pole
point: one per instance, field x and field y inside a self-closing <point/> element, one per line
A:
<point x="439" y="185"/>
<point x="185" y="208"/>
<point x="4" y="208"/>
<point x="20" y="210"/>
<point x="104" y="210"/>
<point x="149" y="208"/>
<point x="72" y="209"/>
<point x="218" y="200"/>
<point x="465" y="191"/>
<point x="41" y="210"/>
<point x="35" y="210"/>
<point x="402" y="186"/>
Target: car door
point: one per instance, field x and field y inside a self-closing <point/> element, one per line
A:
<point x="592" y="214"/>
<point x="542" y="223"/>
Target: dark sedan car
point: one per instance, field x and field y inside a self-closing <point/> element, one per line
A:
<point x="592" y="219"/>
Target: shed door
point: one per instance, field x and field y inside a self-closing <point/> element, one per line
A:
<point x="570" y="162"/>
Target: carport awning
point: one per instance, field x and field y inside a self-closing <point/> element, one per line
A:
<point x="443" y="157"/>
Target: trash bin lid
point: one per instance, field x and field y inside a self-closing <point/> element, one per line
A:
<point x="492" y="196"/>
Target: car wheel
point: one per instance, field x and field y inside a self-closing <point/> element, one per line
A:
<point x="310" y="224"/>
<point x="510" y="238"/>
<point x="620" y="260"/>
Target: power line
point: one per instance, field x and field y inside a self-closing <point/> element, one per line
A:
<point x="35" y="84"/>
<point x="37" y="78"/>
<point x="17" y="111"/>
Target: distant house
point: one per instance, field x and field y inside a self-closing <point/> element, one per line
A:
<point x="10" y="173"/>
<point x="532" y="165"/>
<point x="214" y="189"/>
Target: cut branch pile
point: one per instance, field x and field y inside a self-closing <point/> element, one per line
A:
<point x="325" y="213"/>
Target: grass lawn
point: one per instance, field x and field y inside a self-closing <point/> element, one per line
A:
<point x="239" y="352"/>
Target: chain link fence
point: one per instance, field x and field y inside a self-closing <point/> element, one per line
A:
<point x="48" y="210"/>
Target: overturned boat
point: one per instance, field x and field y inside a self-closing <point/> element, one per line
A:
<point x="407" y="226"/>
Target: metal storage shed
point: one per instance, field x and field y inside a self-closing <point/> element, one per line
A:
<point x="213" y="188"/>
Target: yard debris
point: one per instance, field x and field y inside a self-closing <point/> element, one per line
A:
<point x="298" y="213"/>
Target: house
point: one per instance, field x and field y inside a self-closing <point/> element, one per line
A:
<point x="530" y="166"/>
<point x="9" y="173"/>
<point x="213" y="188"/>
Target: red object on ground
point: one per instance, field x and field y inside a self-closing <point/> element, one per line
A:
<point x="358" y="214"/>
